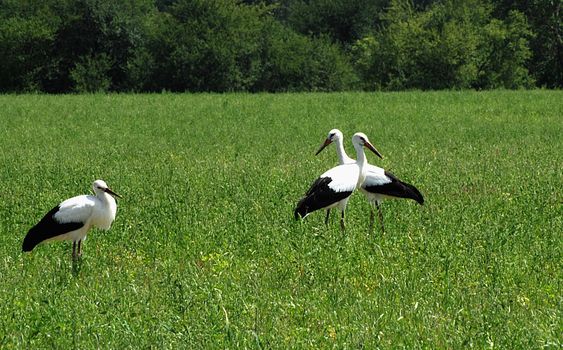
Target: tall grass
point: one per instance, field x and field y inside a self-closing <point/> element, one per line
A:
<point x="205" y="253"/>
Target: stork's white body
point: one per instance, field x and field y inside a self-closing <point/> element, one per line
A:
<point x="334" y="187"/>
<point x="374" y="174"/>
<point x="377" y="184"/>
<point x="345" y="178"/>
<point x="73" y="218"/>
<point x="90" y="210"/>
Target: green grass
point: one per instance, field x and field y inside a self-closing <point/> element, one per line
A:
<point x="205" y="253"/>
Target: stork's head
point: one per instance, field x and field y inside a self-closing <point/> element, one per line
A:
<point x="334" y="135"/>
<point x="361" y="140"/>
<point x="100" y="186"/>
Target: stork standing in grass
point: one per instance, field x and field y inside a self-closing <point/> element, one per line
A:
<point x="71" y="219"/>
<point x="334" y="187"/>
<point x="379" y="183"/>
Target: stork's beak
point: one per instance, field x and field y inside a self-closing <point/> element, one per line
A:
<point x="326" y="143"/>
<point x="108" y="190"/>
<point x="371" y="148"/>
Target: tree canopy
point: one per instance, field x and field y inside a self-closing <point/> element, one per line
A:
<point x="61" y="46"/>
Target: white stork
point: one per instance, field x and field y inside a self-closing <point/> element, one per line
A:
<point x="379" y="183"/>
<point x="71" y="219"/>
<point x="334" y="187"/>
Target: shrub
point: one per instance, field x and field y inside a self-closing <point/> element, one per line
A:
<point x="91" y="74"/>
<point x="454" y="44"/>
<point x="294" y="62"/>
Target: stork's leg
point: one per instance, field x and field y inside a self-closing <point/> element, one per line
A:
<point x="74" y="250"/>
<point x="80" y="248"/>
<point x="380" y="217"/>
<point x="327" y="216"/>
<point x="342" y="226"/>
<point x="371" y="218"/>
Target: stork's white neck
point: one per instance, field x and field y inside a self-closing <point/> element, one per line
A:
<point x="361" y="161"/>
<point x="105" y="198"/>
<point x="341" y="152"/>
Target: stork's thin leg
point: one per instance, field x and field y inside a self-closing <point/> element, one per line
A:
<point x="380" y="217"/>
<point x="74" y="250"/>
<point x="327" y="216"/>
<point x="371" y="218"/>
<point x="342" y="226"/>
<point x="79" y="248"/>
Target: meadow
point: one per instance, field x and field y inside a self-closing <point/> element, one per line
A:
<point x="205" y="253"/>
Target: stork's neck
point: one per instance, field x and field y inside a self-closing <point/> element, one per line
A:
<point x="341" y="153"/>
<point x="105" y="198"/>
<point x="361" y="161"/>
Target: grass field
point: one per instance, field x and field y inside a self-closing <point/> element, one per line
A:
<point x="204" y="252"/>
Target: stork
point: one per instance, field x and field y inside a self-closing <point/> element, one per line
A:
<point x="334" y="187"/>
<point x="379" y="183"/>
<point x="71" y="219"/>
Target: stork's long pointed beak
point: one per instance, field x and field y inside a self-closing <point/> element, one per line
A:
<point x="108" y="190"/>
<point x="326" y="143"/>
<point x="373" y="149"/>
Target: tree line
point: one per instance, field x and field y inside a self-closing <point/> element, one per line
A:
<point x="62" y="46"/>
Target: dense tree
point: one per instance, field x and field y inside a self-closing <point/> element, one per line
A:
<point x="293" y="62"/>
<point x="278" y="45"/>
<point x="546" y="24"/>
<point x="204" y="45"/>
<point x="342" y="20"/>
<point x="95" y="42"/>
<point x="453" y="44"/>
<point x="27" y="34"/>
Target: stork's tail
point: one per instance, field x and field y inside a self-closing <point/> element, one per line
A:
<point x="414" y="193"/>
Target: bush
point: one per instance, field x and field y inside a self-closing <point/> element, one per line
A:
<point x="203" y="45"/>
<point x="93" y="33"/>
<point x="25" y="46"/>
<point x="453" y="44"/>
<point x="504" y="52"/>
<point x="293" y="62"/>
<point x="91" y="74"/>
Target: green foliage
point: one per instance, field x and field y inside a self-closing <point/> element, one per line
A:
<point x="341" y="20"/>
<point x="546" y="43"/>
<point x="454" y="44"/>
<point x="293" y="62"/>
<point x="205" y="253"/>
<point x="223" y="46"/>
<point x="504" y="53"/>
<point x="91" y="74"/>
<point x="277" y="45"/>
<point x="99" y="31"/>
<point x="27" y="35"/>
<point x="205" y="46"/>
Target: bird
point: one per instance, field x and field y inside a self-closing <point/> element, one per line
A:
<point x="334" y="187"/>
<point x="72" y="218"/>
<point x="378" y="184"/>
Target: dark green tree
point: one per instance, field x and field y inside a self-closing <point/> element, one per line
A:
<point x="294" y="62"/>
<point x="453" y="44"/>
<point x="546" y="24"/>
<point x="343" y="21"/>
<point x="201" y="45"/>
<point x="97" y="37"/>
<point x="27" y="36"/>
